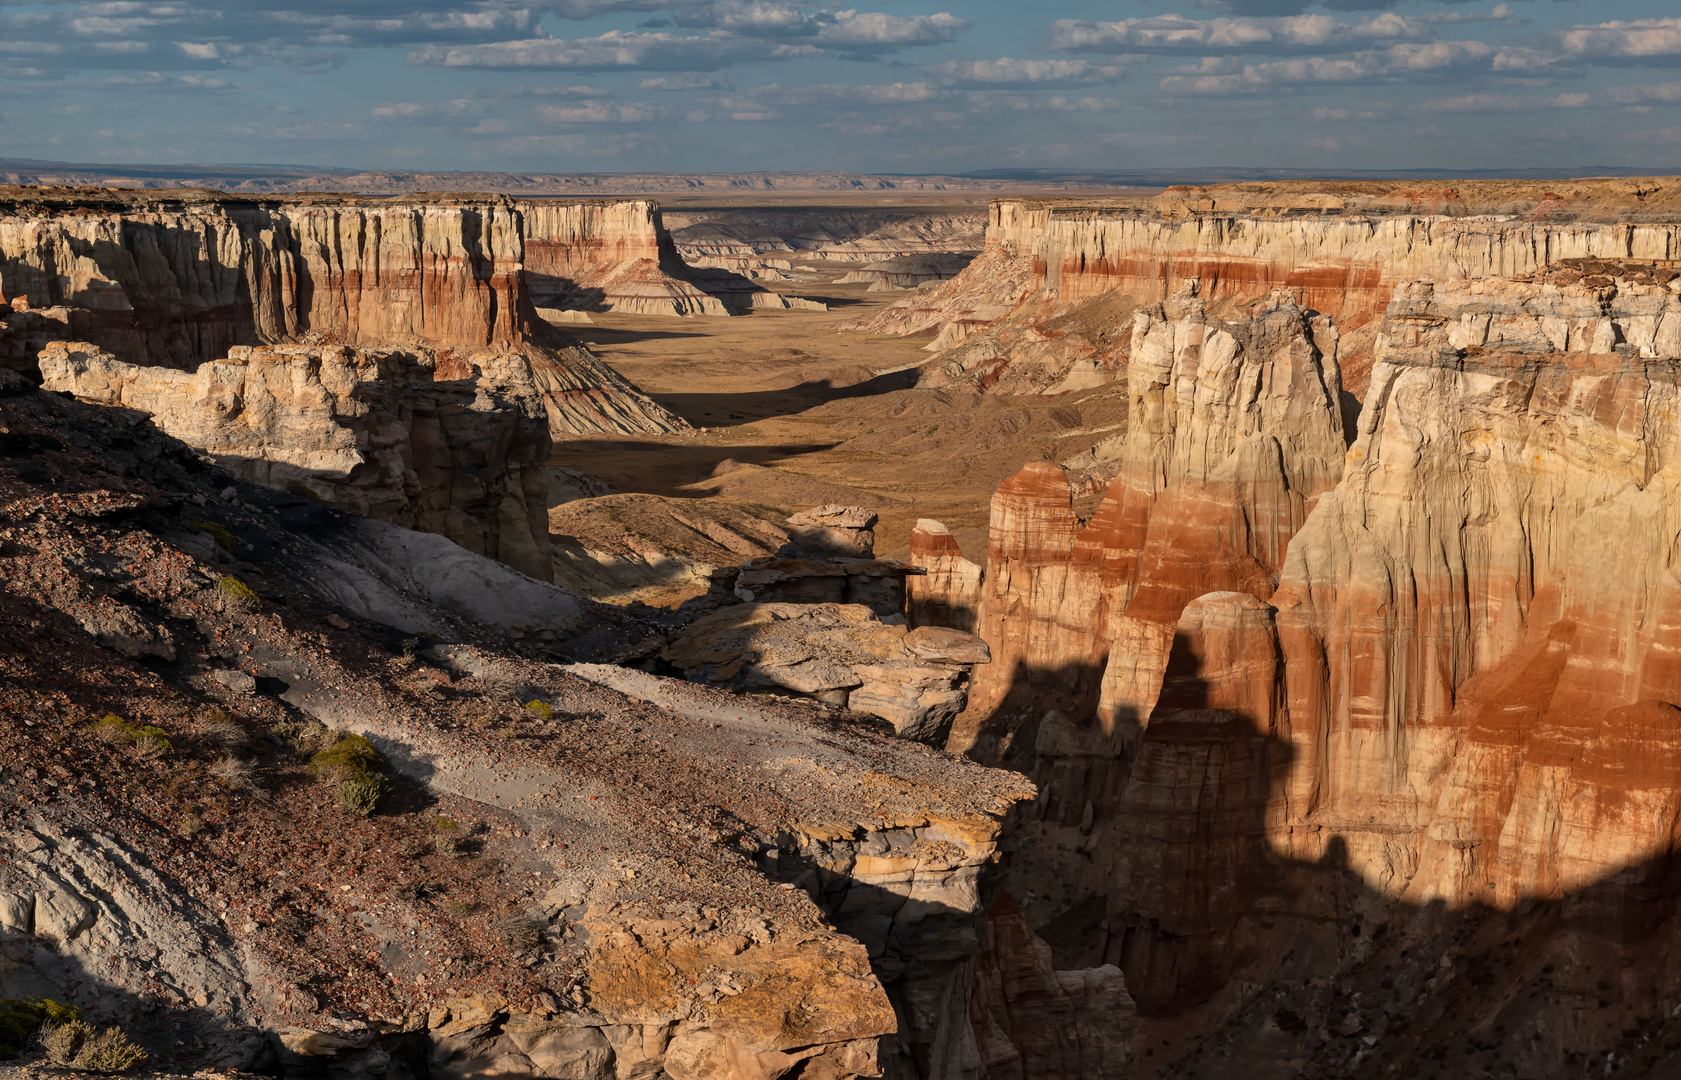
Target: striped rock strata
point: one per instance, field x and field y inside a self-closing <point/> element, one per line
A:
<point x="1041" y="298"/>
<point x="1438" y="695"/>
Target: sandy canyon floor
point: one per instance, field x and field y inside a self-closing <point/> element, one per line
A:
<point x="791" y="413"/>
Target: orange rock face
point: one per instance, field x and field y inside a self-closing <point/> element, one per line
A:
<point x="1427" y="686"/>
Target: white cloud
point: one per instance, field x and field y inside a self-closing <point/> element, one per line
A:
<point x="1648" y="40"/>
<point x="1028" y="73"/>
<point x="1292" y="33"/>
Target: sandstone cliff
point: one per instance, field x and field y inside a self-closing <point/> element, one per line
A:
<point x="1273" y="698"/>
<point x="616" y="255"/>
<point x="1340" y="254"/>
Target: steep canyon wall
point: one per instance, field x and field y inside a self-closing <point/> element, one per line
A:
<point x="1292" y="676"/>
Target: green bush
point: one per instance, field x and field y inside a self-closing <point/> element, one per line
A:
<point x="540" y="708"/>
<point x="354" y="762"/>
<point x="361" y="795"/>
<point x="350" y="757"/>
<point x="79" y="1046"/>
<point x="237" y="595"/>
<point x="148" y="741"/>
<point x="21" y="1018"/>
<point x="302" y="490"/>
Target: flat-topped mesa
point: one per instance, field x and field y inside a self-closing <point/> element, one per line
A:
<point x="616" y="255"/>
<point x="175" y="279"/>
<point x="1340" y="253"/>
<point x="1517" y="468"/>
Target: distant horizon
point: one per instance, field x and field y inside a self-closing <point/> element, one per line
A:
<point x="1137" y="177"/>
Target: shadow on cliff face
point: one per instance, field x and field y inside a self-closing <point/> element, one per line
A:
<point x="1247" y="962"/>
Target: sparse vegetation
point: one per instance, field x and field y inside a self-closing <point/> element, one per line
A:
<point x="361" y="795"/>
<point x="540" y="708"/>
<point x="148" y="741"/>
<point x="302" y="490"/>
<point x="521" y="932"/>
<point x="82" y="1047"/>
<point x="234" y="774"/>
<point x="355" y="764"/>
<point x="446" y="836"/>
<point x="223" y="538"/>
<point x="21" y="1018"/>
<point x="238" y="596"/>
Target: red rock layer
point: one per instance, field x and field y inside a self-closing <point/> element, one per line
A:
<point x="948" y="593"/>
<point x="1031" y="337"/>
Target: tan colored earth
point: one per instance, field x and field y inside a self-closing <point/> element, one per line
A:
<point x="794" y="414"/>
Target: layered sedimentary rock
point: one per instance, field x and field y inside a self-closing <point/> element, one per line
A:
<point x="455" y="447"/>
<point x="841" y="654"/>
<point x="616" y="255"/>
<point x="175" y="280"/>
<point x="948" y="591"/>
<point x="1235" y="430"/>
<point x="1432" y="700"/>
<point x="1341" y="254"/>
<point x="739" y="238"/>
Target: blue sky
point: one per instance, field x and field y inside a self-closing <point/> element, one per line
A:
<point x="888" y="86"/>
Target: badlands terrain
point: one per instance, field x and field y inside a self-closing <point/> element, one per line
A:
<point x="1221" y="632"/>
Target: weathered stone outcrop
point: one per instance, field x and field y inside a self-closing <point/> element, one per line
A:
<point x="908" y="271"/>
<point x="1339" y="254"/>
<point x="841" y="654"/>
<point x="447" y="444"/>
<point x="1235" y="430"/>
<point x="1508" y="713"/>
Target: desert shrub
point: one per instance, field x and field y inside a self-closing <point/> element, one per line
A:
<point x="302" y="490"/>
<point x="236" y="595"/>
<point x="501" y="686"/>
<point x="361" y="795"/>
<point x="233" y="773"/>
<point x="521" y="932"/>
<point x="446" y="836"/>
<point x="21" y="1018"/>
<point x="540" y="708"/>
<point x="82" y="1047"/>
<point x="223" y="538"/>
<point x="216" y="727"/>
<point x="148" y="741"/>
<point x="303" y="736"/>
<point x="355" y="764"/>
<point x="349" y="757"/>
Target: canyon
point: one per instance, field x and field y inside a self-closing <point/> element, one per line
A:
<point x="1220" y="631"/>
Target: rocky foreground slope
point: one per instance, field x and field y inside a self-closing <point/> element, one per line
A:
<point x="1046" y="307"/>
<point x="292" y="790"/>
<point x="1356" y="762"/>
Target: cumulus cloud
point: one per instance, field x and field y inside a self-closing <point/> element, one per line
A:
<point x="1029" y="73"/>
<point x="1433" y="61"/>
<point x="1176" y="33"/>
<point x="1626" y="41"/>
